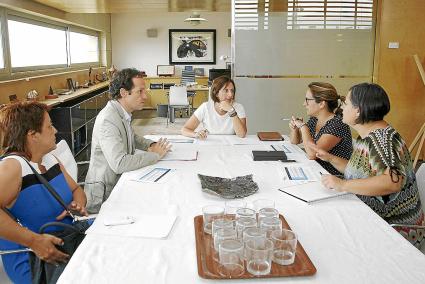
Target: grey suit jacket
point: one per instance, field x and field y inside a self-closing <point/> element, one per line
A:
<point x="111" y="156"/>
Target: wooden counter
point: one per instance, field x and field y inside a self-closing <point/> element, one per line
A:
<point x="74" y="95"/>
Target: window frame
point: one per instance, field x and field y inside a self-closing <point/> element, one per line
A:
<point x="87" y="32"/>
<point x="9" y="73"/>
<point x="4" y="42"/>
<point x="41" y="24"/>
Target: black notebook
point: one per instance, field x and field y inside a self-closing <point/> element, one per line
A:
<point x="269" y="156"/>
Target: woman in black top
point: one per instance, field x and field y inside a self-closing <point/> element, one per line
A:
<point x="325" y="128"/>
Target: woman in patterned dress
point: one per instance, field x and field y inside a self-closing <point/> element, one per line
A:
<point x="380" y="170"/>
<point x="324" y="128"/>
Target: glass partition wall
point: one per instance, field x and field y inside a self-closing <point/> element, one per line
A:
<point x="279" y="47"/>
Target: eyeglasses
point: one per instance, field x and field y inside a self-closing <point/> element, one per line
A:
<point x="308" y="99"/>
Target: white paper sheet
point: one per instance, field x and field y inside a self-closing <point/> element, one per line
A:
<point x="300" y="173"/>
<point x="312" y="194"/>
<point x="181" y="155"/>
<point x="155" y="175"/>
<point x="288" y="148"/>
<point x="144" y="226"/>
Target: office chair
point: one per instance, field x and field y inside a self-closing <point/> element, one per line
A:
<point x="188" y="78"/>
<point x="4" y="279"/>
<point x="420" y="180"/>
<point x="177" y="98"/>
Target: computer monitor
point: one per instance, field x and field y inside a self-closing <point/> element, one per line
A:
<point x="214" y="73"/>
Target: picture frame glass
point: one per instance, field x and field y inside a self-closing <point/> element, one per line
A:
<point x="192" y="46"/>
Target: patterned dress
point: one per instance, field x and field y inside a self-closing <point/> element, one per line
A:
<point x="372" y="155"/>
<point x="335" y="127"/>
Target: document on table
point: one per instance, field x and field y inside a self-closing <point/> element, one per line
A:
<point x="287" y="148"/>
<point x="181" y="140"/>
<point x="155" y="175"/>
<point x="173" y="139"/>
<point x="300" y="173"/>
<point x="312" y="193"/>
<point x="181" y="155"/>
<point x="144" y="225"/>
<point x="235" y="140"/>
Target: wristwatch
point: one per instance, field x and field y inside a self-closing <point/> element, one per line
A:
<point x="232" y="112"/>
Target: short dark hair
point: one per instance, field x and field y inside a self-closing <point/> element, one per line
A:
<point x="16" y="120"/>
<point x="218" y="84"/>
<point x="123" y="79"/>
<point x="371" y="100"/>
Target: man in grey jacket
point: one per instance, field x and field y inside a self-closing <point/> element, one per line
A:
<point x="114" y="144"/>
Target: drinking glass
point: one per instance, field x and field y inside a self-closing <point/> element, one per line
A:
<point x="233" y="205"/>
<point x="285" y="245"/>
<point x="270" y="224"/>
<point x="259" y="256"/>
<point x="245" y="213"/>
<point x="267" y="212"/>
<point x="244" y="223"/>
<point x="231" y="263"/>
<point x="262" y="203"/>
<point x="210" y="213"/>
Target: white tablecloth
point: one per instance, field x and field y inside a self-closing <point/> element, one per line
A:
<point x="345" y="239"/>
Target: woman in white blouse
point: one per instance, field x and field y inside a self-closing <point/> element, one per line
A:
<point x="220" y="115"/>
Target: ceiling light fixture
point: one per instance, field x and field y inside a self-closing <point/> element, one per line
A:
<point x="195" y="19"/>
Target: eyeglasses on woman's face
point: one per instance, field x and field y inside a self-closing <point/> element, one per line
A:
<point x="308" y="99"/>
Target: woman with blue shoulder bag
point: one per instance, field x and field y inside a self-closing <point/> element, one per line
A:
<point x="28" y="174"/>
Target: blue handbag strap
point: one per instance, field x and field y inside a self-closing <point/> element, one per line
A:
<point x="58" y="224"/>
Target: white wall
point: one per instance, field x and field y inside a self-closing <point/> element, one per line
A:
<point x="132" y="48"/>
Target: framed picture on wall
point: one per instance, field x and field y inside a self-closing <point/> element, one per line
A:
<point x="189" y="46"/>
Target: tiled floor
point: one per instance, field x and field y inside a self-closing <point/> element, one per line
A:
<point x="157" y="125"/>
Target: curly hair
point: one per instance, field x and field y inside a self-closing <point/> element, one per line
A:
<point x="123" y="79"/>
<point x="16" y="120"/>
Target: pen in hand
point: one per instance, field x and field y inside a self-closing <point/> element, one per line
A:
<point x="338" y="176"/>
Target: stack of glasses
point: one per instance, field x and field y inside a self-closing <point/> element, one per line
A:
<point x="248" y="238"/>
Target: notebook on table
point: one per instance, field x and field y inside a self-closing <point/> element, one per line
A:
<point x="270" y="136"/>
<point x="312" y="194"/>
<point x="269" y="155"/>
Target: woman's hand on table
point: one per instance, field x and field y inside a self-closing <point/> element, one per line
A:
<point x="332" y="182"/>
<point x="320" y="153"/>
<point x="203" y="134"/>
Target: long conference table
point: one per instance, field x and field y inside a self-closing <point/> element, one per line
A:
<point x="346" y="241"/>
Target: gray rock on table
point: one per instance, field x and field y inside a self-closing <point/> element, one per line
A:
<point x="229" y="188"/>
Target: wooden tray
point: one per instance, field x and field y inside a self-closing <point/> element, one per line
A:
<point x="207" y="266"/>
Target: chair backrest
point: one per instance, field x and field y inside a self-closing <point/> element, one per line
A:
<point x="4" y="279"/>
<point x="178" y="96"/>
<point x="188" y="76"/>
<point x="420" y="180"/>
<point x="64" y="154"/>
